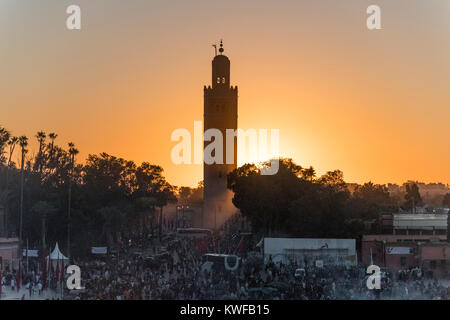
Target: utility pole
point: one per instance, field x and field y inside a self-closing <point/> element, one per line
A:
<point x="68" y="215"/>
<point x="21" y="197"/>
<point x="27" y="255"/>
<point x="184" y="220"/>
<point x="72" y="151"/>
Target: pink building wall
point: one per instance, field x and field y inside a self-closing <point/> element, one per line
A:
<point x="9" y="248"/>
<point x="435" y="258"/>
<point x="430" y="256"/>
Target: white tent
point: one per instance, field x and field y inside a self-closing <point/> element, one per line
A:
<point x="56" y="256"/>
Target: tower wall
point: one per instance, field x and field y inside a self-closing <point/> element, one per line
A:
<point x="220" y="112"/>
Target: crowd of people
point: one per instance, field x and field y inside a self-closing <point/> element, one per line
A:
<point x="145" y="268"/>
<point x="30" y="279"/>
<point x="179" y="274"/>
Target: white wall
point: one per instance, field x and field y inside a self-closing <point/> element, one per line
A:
<point x="419" y="221"/>
<point x="276" y="245"/>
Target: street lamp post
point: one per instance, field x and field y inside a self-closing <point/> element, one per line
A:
<point x="184" y="220"/>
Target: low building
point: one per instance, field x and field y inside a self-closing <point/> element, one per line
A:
<point x="420" y="224"/>
<point x="394" y="252"/>
<point x="307" y="251"/>
<point x="409" y="245"/>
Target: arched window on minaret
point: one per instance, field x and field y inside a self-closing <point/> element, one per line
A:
<point x="221" y="70"/>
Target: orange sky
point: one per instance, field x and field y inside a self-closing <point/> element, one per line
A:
<point x="375" y="104"/>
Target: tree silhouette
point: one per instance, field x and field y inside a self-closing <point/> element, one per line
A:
<point x="40" y="136"/>
<point x="72" y="153"/>
<point x="309" y="173"/>
<point x="12" y="145"/>
<point x="4" y="138"/>
<point x="412" y="197"/>
<point x="23" y="143"/>
<point x="43" y="209"/>
<point x="446" y="200"/>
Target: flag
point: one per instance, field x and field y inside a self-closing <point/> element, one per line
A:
<point x="57" y="271"/>
<point x="199" y="246"/>
<point x="49" y="261"/>
<point x="62" y="269"/>
<point x="240" y="247"/>
<point x="19" y="277"/>
<point x="205" y="245"/>
<point x="202" y="246"/>
<point x="44" y="274"/>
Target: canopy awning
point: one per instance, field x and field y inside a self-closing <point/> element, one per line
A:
<point x="57" y="254"/>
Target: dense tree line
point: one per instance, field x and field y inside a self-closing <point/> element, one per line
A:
<point x="295" y="202"/>
<point x="191" y="196"/>
<point x="50" y="197"/>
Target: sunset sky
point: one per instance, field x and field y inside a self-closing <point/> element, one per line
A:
<point x="374" y="104"/>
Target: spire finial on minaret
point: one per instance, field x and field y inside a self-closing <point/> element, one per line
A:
<point x="221" y="46"/>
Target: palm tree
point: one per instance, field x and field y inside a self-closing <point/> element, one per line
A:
<point x="43" y="209"/>
<point x="12" y="145"/>
<point x="72" y="152"/>
<point x="23" y="142"/>
<point x="52" y="137"/>
<point x="41" y="139"/>
<point x="4" y="138"/>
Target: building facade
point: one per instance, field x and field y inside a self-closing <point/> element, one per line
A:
<point x="435" y="258"/>
<point x="416" y="240"/>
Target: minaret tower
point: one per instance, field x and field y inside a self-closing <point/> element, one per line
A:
<point x="220" y="112"/>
